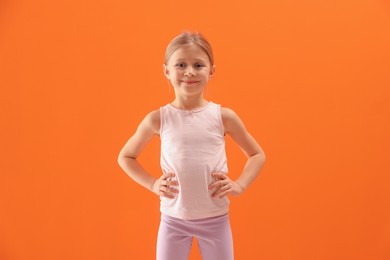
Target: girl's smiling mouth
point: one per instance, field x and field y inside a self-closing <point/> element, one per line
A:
<point x="190" y="81"/>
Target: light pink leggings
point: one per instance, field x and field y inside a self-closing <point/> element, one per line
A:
<point x="214" y="237"/>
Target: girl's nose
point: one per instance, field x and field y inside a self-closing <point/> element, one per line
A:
<point x="189" y="71"/>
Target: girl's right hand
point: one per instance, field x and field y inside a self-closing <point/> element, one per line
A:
<point x="162" y="186"/>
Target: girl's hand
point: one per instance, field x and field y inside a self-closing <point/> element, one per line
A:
<point x="224" y="186"/>
<point x="162" y="186"/>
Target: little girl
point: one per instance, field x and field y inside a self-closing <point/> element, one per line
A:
<point x="194" y="185"/>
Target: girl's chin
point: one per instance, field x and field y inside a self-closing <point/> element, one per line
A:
<point x="190" y="84"/>
<point x="189" y="90"/>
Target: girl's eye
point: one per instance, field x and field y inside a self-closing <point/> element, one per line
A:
<point x="182" y="65"/>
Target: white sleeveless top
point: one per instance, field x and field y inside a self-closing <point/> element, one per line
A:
<point x="193" y="147"/>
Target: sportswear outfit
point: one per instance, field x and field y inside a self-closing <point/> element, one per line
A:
<point x="193" y="147"/>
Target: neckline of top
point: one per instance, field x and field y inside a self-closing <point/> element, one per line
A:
<point x="192" y="110"/>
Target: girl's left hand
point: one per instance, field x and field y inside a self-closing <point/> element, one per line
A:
<point x="224" y="186"/>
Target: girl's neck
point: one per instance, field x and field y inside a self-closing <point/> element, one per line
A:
<point x="189" y="103"/>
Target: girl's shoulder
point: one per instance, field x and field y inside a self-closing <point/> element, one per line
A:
<point x="228" y="114"/>
<point x="229" y="118"/>
<point x="153" y="120"/>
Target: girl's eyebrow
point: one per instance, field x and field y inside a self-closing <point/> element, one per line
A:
<point x="195" y="60"/>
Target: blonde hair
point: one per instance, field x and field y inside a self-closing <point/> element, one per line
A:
<point x="189" y="38"/>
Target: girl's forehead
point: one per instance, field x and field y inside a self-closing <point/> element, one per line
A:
<point x="189" y="51"/>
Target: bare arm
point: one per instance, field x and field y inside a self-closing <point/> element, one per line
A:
<point x="255" y="154"/>
<point x="127" y="158"/>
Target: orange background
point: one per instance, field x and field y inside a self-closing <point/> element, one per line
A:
<point x="310" y="80"/>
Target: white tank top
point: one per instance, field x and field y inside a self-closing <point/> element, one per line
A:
<point x="193" y="147"/>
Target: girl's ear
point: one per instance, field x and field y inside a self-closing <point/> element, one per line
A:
<point x="212" y="71"/>
<point x="166" y="71"/>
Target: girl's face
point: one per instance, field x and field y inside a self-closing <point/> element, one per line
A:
<point x="189" y="70"/>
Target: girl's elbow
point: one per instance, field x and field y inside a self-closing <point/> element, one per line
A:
<point x="123" y="157"/>
<point x="120" y="160"/>
<point x="261" y="156"/>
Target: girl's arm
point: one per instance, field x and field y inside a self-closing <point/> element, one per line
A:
<point x="127" y="158"/>
<point x="255" y="154"/>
